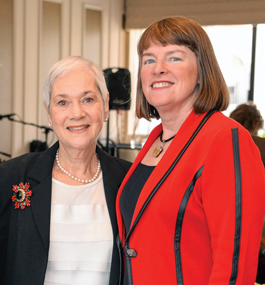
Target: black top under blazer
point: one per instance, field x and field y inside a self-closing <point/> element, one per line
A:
<point x="24" y="234"/>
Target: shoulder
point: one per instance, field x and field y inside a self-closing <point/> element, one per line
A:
<point x="221" y="134"/>
<point x="221" y="126"/>
<point x="225" y="136"/>
<point x="30" y="165"/>
<point x="18" y="164"/>
<point x="27" y="162"/>
<point x="13" y="172"/>
<point x="222" y="122"/>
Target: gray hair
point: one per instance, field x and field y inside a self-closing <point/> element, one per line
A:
<point x="64" y="67"/>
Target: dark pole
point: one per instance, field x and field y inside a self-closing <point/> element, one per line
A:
<point x="253" y="59"/>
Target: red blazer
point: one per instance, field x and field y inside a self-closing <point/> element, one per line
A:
<point x="203" y="225"/>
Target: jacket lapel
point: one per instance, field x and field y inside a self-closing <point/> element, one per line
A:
<point x="151" y="138"/>
<point x="40" y="178"/>
<point x="176" y="146"/>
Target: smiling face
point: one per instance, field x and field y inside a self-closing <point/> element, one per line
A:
<point x="169" y="76"/>
<point x="76" y="110"/>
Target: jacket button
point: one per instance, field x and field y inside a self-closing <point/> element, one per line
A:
<point x="131" y="252"/>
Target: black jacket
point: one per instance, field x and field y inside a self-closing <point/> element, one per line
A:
<point x="24" y="234"/>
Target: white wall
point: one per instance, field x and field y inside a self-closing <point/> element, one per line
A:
<point x="6" y="26"/>
<point x="44" y="32"/>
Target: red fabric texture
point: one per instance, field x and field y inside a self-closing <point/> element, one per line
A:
<point x="207" y="236"/>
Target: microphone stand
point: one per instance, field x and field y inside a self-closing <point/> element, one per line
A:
<point x="46" y="129"/>
<point x="5" y="154"/>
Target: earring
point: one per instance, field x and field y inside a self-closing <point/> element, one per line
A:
<point x="49" y="124"/>
<point x="107" y="118"/>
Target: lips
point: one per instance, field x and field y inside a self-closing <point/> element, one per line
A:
<point x="161" y="84"/>
<point x="78" y="128"/>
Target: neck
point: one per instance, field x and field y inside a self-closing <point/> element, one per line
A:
<point x="172" y="124"/>
<point x="79" y="161"/>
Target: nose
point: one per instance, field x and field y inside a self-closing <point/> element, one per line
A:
<point x="77" y="111"/>
<point x="160" y="68"/>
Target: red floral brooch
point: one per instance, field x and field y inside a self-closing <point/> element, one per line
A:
<point x="21" y="195"/>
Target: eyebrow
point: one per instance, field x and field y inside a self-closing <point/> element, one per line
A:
<point x="65" y="95"/>
<point x="167" y="53"/>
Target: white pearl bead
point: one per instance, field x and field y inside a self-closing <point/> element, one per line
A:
<point x="70" y="175"/>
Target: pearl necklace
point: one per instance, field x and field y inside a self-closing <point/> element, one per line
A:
<point x="70" y="175"/>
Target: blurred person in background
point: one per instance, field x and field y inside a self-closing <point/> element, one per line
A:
<point x="249" y="117"/>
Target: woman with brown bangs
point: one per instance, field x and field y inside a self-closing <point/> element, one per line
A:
<point x="190" y="210"/>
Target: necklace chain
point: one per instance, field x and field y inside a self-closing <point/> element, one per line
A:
<point x="159" y="148"/>
<point x="164" y="141"/>
<point x="74" y="178"/>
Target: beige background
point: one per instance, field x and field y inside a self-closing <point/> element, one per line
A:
<point x="34" y="34"/>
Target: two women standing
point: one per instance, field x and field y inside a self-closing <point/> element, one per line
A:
<point x="190" y="209"/>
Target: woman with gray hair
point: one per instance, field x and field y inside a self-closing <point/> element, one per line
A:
<point x="57" y="208"/>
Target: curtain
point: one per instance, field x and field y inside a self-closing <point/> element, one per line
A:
<point x="141" y="13"/>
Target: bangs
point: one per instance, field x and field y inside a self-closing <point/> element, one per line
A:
<point x="166" y="33"/>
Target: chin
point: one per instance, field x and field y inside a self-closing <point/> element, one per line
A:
<point x="79" y="145"/>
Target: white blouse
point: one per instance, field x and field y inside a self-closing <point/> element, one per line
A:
<point x="81" y="237"/>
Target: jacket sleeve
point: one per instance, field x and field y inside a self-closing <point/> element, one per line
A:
<point x="233" y="197"/>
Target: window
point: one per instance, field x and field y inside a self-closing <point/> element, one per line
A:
<point x="259" y="90"/>
<point x="233" y="47"/>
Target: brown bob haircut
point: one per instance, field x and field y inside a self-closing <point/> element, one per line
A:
<point x="212" y="89"/>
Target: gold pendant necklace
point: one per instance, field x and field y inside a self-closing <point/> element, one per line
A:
<point x="156" y="152"/>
